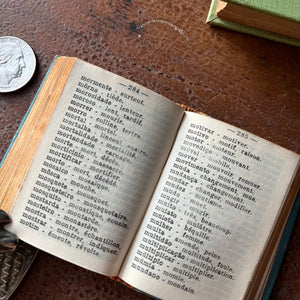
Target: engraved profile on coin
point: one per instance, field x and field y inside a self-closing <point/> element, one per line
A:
<point x="17" y="63"/>
<point x="11" y="63"/>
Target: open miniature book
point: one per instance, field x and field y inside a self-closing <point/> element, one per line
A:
<point x="115" y="178"/>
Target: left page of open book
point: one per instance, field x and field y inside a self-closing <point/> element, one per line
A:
<point x="95" y="169"/>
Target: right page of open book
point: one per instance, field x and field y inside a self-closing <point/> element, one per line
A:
<point x="211" y="214"/>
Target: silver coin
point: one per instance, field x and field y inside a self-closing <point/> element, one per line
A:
<point x="17" y="63"/>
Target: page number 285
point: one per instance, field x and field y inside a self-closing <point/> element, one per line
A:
<point x="242" y="134"/>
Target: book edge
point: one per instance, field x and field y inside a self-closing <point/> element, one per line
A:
<point x="27" y="112"/>
<point x="33" y="134"/>
<point x="212" y="12"/>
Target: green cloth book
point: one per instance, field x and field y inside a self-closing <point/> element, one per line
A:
<point x="275" y="20"/>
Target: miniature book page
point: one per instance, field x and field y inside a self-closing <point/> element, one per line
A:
<point x="211" y="213"/>
<point x="96" y="169"/>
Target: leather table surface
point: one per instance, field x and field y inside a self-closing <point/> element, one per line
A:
<point x="166" y="46"/>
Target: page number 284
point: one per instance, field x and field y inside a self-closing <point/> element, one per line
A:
<point x="133" y="89"/>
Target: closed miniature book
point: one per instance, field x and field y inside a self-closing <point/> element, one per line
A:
<point x="274" y="20"/>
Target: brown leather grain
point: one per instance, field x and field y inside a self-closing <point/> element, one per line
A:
<point x="166" y="46"/>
